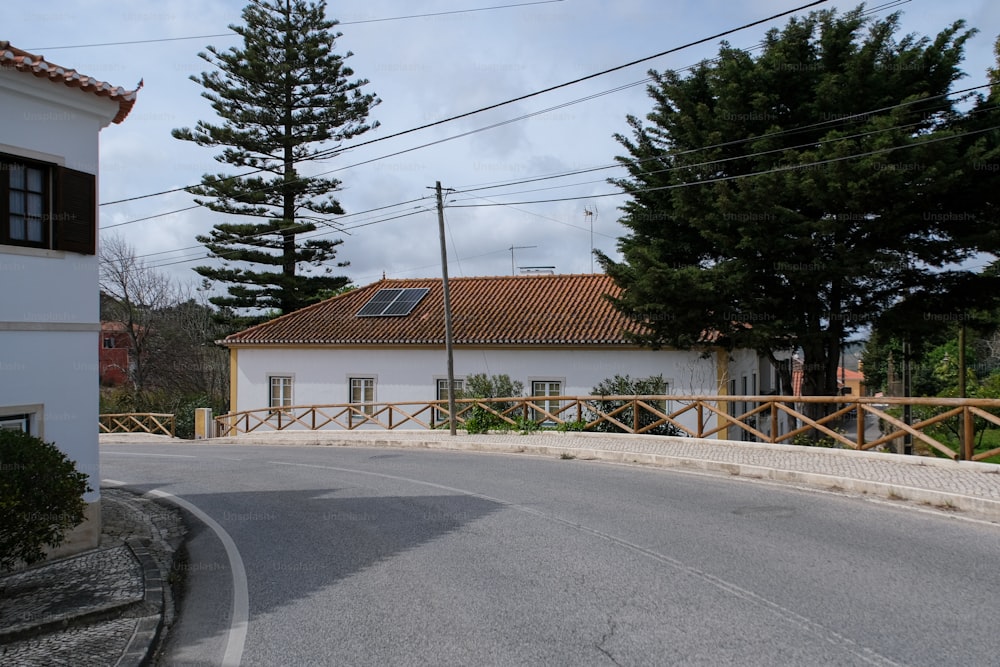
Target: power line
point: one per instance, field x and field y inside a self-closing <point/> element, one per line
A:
<point x="250" y="237"/>
<point x="709" y="163"/>
<point x="233" y="34"/>
<point x="735" y="142"/>
<point x="792" y="131"/>
<point x="666" y="187"/>
<point x="334" y="151"/>
<point x="221" y="256"/>
<point x="734" y="177"/>
<point x="529" y="115"/>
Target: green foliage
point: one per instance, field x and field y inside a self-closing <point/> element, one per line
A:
<point x="623" y="385"/>
<point x="566" y="427"/>
<point x="481" y="385"/>
<point x="810" y="439"/>
<point x="41" y="497"/>
<point x="280" y="95"/>
<point x="791" y="234"/>
<point x="526" y="425"/>
<point x="481" y="421"/>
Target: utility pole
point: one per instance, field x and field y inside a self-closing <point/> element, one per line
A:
<point x="447" y="312"/>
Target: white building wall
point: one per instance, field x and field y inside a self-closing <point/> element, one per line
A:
<point x="322" y="375"/>
<point x="49" y="304"/>
<point x="54" y="374"/>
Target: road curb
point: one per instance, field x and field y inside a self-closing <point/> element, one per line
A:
<point x="139" y="650"/>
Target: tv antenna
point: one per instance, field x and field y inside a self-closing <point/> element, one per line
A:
<point x="512" y="249"/>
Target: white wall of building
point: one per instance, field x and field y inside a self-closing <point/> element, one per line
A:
<point x="49" y="304"/>
<point x="322" y="375"/>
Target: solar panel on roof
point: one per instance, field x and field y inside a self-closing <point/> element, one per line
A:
<point x="379" y="302"/>
<point x="405" y="302"/>
<point x="393" y="302"/>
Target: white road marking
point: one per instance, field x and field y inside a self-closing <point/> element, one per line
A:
<point x="237" y="634"/>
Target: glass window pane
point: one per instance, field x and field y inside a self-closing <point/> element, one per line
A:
<point x="34" y="180"/>
<point x="18" y="231"/>
<point x="35" y="231"/>
<point x="17" y="203"/>
<point x="17" y="177"/>
<point x="35" y="208"/>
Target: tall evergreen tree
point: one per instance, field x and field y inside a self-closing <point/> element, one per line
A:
<point x="763" y="209"/>
<point x="281" y="96"/>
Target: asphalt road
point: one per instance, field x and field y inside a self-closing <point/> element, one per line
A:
<point x="412" y="557"/>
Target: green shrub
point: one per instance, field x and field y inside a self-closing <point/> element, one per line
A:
<point x="623" y="385"/>
<point x="526" y="425"/>
<point x="481" y="385"/>
<point x="579" y="425"/>
<point x="809" y="439"/>
<point x="41" y="497"/>
<point x="483" y="421"/>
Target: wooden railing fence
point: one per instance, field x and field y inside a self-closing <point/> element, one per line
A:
<point x="860" y="423"/>
<point x="138" y="422"/>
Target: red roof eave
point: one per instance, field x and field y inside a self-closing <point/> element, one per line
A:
<point x="20" y="60"/>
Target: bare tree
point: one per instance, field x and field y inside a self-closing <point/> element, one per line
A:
<point x="184" y="359"/>
<point x="133" y="295"/>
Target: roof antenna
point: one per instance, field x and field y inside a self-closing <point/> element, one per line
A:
<point x="512" y="249"/>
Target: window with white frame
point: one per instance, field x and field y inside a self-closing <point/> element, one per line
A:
<point x="280" y="391"/>
<point x="442" y="395"/>
<point x="363" y="392"/>
<point x="546" y="388"/>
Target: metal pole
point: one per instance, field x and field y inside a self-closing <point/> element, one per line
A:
<point x="965" y="441"/>
<point x="907" y="408"/>
<point x="447" y="313"/>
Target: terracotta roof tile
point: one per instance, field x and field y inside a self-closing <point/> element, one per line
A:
<point x="12" y="57"/>
<point x="503" y="310"/>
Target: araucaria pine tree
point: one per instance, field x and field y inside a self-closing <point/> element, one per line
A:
<point x="285" y="99"/>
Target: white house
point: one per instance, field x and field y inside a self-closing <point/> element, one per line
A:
<point x="50" y="119"/>
<point x="557" y="334"/>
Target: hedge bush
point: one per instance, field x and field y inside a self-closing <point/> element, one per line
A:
<point x="41" y="497"/>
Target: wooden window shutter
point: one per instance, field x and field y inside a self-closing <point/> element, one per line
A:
<point x="75" y="211"/>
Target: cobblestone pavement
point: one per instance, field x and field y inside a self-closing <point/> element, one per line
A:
<point x="106" y="606"/>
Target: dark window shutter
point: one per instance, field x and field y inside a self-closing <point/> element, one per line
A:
<point x="75" y="212"/>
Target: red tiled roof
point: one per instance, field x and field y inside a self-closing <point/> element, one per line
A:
<point x="503" y="310"/>
<point x="12" y="57"/>
<point x="848" y="374"/>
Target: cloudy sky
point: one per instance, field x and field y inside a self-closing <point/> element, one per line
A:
<point x="424" y="69"/>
